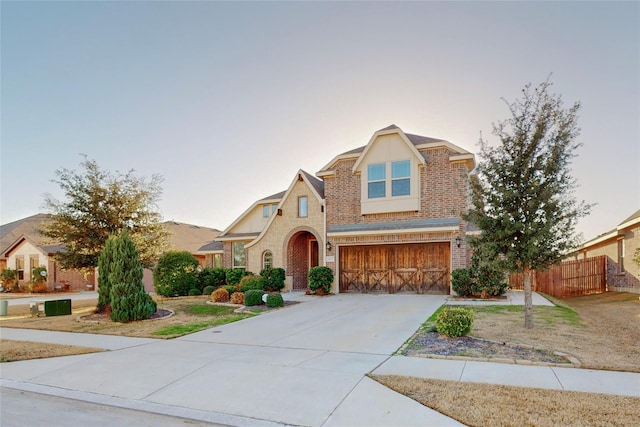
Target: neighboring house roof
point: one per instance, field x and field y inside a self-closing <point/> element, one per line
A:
<point x="619" y="230"/>
<point x="437" y="224"/>
<point x="418" y="141"/>
<point x="189" y="237"/>
<point x="276" y="196"/>
<point x="28" y="226"/>
<point x="212" y="247"/>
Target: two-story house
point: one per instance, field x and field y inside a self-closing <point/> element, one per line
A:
<point x="385" y="217"/>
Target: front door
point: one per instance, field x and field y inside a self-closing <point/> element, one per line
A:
<point x="302" y="254"/>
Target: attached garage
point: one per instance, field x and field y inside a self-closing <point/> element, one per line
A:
<point x="421" y="268"/>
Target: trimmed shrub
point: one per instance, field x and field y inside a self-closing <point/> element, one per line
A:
<point x="320" y="277"/>
<point x="230" y="288"/>
<point x="207" y="290"/>
<point x="275" y="300"/>
<point x="273" y="279"/>
<point x="220" y="295"/>
<point x="130" y="302"/>
<point x="461" y="282"/>
<point x="251" y="282"/>
<point x="175" y="274"/>
<point x="194" y="292"/>
<point x="253" y="297"/>
<point x="214" y="277"/>
<point x="234" y="276"/>
<point x="237" y="298"/>
<point x="454" y="321"/>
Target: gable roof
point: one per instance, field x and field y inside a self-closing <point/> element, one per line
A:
<point x="618" y="231"/>
<point x="317" y="188"/>
<point x="418" y="141"/>
<point x="390" y="130"/>
<point x="226" y="233"/>
<point x="29" y="226"/>
<point x="189" y="237"/>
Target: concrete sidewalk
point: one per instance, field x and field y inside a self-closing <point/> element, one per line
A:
<point x="575" y="379"/>
<point x="304" y="365"/>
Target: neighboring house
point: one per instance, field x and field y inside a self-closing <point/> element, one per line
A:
<point x="620" y="246"/>
<point x="385" y="217"/>
<point x="23" y="248"/>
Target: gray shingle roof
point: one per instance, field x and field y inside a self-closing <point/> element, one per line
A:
<point x="415" y="140"/>
<point x="274" y="196"/>
<point x="212" y="246"/>
<point x="316" y="183"/>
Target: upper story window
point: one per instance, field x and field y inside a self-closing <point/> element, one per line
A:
<point x="268" y="210"/>
<point x="401" y="178"/>
<point x="378" y="185"/>
<point x="302" y="207"/>
<point x="390" y="186"/>
<point x="376" y="178"/>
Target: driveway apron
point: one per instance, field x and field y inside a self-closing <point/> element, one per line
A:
<point x="292" y="366"/>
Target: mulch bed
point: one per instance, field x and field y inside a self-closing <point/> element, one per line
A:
<point x="431" y="343"/>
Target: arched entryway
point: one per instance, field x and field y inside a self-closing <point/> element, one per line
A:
<point x="302" y="254"/>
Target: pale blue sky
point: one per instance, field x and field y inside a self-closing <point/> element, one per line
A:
<point x="228" y="100"/>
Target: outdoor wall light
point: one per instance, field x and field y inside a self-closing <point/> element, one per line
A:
<point x="458" y="241"/>
<point x="329" y="246"/>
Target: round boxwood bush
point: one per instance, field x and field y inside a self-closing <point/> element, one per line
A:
<point x="251" y="282"/>
<point x="275" y="300"/>
<point x="273" y="279"/>
<point x="220" y="295"/>
<point x="320" y="277"/>
<point x="454" y="321"/>
<point x="208" y="289"/>
<point x="461" y="282"/>
<point x="193" y="292"/>
<point x="253" y="297"/>
<point x="237" y="298"/>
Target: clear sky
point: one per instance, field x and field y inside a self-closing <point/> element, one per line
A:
<point x="227" y="100"/>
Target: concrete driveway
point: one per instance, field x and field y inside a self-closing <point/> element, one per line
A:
<point x="303" y="365"/>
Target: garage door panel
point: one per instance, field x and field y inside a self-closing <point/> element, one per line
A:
<point x="416" y="267"/>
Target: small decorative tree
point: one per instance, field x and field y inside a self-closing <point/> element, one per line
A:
<point x="320" y="278"/>
<point x="129" y="301"/>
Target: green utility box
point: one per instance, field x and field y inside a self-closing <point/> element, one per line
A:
<point x="58" y="307"/>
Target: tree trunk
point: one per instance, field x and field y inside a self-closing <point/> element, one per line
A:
<point x="528" y="300"/>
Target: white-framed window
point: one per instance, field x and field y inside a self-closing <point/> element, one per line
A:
<point x="267" y="259"/>
<point x="378" y="185"/>
<point x="390" y="186"/>
<point x="400" y="178"/>
<point x="274" y="208"/>
<point x="303" y="207"/>
<point x="266" y="211"/>
<point x="376" y="180"/>
<point x="20" y="266"/>
<point x="239" y="260"/>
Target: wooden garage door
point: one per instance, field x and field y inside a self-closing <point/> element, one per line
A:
<point x="415" y="267"/>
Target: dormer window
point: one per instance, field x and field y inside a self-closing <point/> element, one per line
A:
<point x="376" y="176"/>
<point x="391" y="186"/>
<point x="400" y="178"/>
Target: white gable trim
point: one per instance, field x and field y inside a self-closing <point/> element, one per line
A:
<point x="379" y="133"/>
<point x="300" y="176"/>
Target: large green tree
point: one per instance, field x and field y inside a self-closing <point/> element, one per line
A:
<point x="99" y="203"/>
<point x="522" y="195"/>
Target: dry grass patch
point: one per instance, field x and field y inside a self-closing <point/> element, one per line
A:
<point x="497" y="405"/>
<point x="188" y="311"/>
<point x="602" y="331"/>
<point x="12" y="351"/>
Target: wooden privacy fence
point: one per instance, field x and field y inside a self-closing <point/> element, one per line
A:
<point x="570" y="278"/>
